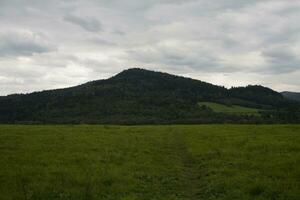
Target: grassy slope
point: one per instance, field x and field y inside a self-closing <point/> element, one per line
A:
<point x="234" y="109"/>
<point x="150" y="162"/>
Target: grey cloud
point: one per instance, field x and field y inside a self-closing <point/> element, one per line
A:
<point x="102" y="42"/>
<point x="107" y="67"/>
<point x="194" y="37"/>
<point x="118" y="32"/>
<point x="138" y="5"/>
<point x="53" y="60"/>
<point x="194" y="59"/>
<point x="22" y="43"/>
<point x="281" y="60"/>
<point x="89" y="24"/>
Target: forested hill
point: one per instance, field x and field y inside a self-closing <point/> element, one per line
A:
<point x="138" y="96"/>
<point x="292" y="95"/>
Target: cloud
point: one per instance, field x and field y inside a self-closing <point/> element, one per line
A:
<point x="89" y="24"/>
<point x="48" y="44"/>
<point x="22" y="43"/>
<point x="176" y="54"/>
<point x="102" y="42"/>
<point x="282" y="59"/>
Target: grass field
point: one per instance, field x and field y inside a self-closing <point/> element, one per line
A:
<point x="150" y="162"/>
<point x="234" y="109"/>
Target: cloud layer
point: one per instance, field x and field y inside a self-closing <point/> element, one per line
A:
<point x="50" y="44"/>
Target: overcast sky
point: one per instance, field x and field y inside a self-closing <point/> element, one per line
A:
<point x="46" y="44"/>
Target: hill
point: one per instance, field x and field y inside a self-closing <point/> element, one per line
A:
<point x="292" y="95"/>
<point x="138" y="96"/>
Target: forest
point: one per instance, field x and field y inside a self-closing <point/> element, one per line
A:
<point x="139" y="96"/>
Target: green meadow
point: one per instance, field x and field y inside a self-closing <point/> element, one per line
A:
<point x="176" y="162"/>
<point x="233" y="109"/>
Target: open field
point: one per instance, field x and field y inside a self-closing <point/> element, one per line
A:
<point x="150" y="162"/>
<point x="234" y="109"/>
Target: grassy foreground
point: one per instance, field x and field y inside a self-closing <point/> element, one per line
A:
<point x="150" y="162"/>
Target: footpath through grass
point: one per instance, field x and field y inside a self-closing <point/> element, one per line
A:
<point x="150" y="162"/>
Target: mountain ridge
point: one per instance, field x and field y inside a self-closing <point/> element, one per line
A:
<point x="128" y="71"/>
<point x="139" y="96"/>
<point x="291" y="95"/>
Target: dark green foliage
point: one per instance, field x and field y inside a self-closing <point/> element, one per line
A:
<point x="265" y="97"/>
<point x="138" y="96"/>
<point x="292" y="95"/>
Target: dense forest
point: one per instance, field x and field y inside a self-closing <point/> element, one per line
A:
<point x="138" y="96"/>
<point x="291" y="95"/>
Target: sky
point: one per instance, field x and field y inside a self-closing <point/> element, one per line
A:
<point x="47" y="44"/>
